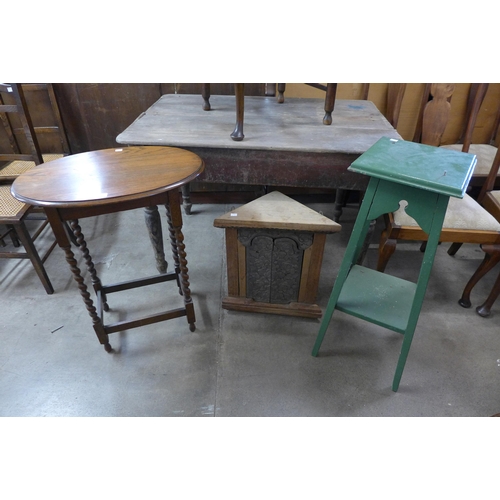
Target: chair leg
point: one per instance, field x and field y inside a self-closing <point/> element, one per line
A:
<point x="13" y="236"/>
<point x="237" y="134"/>
<point x="25" y="238"/>
<point x="454" y="248"/>
<point x="331" y="91"/>
<point x="205" y="93"/>
<point x="281" y="92"/>
<point x="386" y="248"/>
<point x="366" y="243"/>
<point x="485" y="308"/>
<point x="2" y="242"/>
<point x="340" y="199"/>
<point x="490" y="260"/>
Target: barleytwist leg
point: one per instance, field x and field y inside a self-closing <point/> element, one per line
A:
<point x="173" y="245"/>
<point x="82" y="244"/>
<point x="184" y="277"/>
<point x="175" y="226"/>
<point x="96" y="321"/>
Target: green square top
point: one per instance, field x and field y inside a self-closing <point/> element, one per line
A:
<point x="427" y="167"/>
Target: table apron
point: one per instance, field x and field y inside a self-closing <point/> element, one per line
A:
<point x="80" y="212"/>
<point x="279" y="168"/>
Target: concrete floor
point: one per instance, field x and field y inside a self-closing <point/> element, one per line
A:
<point x="237" y="364"/>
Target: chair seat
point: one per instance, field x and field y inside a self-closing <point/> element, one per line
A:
<point x="495" y="195"/>
<point x="464" y="213"/>
<point x="485" y="155"/>
<point x="18" y="167"/>
<point x="10" y="206"/>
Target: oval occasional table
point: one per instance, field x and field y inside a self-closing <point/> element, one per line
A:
<point x="108" y="181"/>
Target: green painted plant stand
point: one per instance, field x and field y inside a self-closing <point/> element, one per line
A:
<point x="425" y="177"/>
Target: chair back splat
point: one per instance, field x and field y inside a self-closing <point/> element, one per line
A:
<point x="24" y="141"/>
<point x="20" y="109"/>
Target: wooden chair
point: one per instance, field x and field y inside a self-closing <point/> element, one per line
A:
<point x="239" y="90"/>
<point x="466" y="221"/>
<point x="13" y="215"/>
<point x="25" y="154"/>
<point x="485" y="152"/>
<point x="490" y="199"/>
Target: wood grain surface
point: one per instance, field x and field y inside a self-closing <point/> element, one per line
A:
<point x="107" y="176"/>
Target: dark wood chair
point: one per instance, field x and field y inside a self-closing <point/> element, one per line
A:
<point x="239" y="90"/>
<point x="466" y="221"/>
<point x="485" y="152"/>
<point x="24" y="155"/>
<point x="51" y="141"/>
<point x="490" y="199"/>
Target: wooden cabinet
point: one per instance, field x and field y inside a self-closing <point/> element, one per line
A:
<point x="274" y="249"/>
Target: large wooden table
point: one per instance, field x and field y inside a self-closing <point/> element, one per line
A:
<point x="285" y="144"/>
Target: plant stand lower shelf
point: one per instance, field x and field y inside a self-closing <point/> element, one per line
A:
<point x="376" y="297"/>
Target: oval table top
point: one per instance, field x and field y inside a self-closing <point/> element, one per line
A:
<point x="107" y="176"/>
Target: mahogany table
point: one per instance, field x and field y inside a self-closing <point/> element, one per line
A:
<point x="109" y="181"/>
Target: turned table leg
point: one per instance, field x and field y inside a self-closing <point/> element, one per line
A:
<point x="153" y="223"/>
<point x="186" y="198"/>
